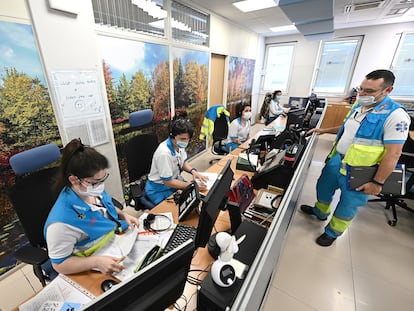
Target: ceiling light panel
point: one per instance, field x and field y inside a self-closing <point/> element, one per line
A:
<point x="254" y="5"/>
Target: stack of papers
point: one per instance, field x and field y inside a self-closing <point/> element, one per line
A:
<point x="60" y="294"/>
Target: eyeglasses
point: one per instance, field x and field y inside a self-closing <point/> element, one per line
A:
<point x="368" y="91"/>
<point x="95" y="183"/>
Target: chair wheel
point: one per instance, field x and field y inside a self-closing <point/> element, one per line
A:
<point x="392" y="223"/>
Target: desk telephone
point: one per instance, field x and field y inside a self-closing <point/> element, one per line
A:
<point x="187" y="200"/>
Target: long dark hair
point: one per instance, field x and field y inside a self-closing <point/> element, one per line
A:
<point x="79" y="160"/>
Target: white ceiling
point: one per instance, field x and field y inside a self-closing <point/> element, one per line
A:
<point x="260" y="21"/>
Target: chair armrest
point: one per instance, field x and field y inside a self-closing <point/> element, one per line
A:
<point x="408" y="154"/>
<point x="31" y="255"/>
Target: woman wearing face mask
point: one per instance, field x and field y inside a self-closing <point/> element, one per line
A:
<point x="83" y="217"/>
<point x="169" y="160"/>
<point x="239" y="129"/>
<point x="275" y="109"/>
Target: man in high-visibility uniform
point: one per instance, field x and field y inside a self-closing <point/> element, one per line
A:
<point x="373" y="132"/>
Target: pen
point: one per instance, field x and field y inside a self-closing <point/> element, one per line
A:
<point x="121" y="259"/>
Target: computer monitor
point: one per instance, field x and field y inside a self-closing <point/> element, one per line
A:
<point x="215" y="200"/>
<point x="155" y="287"/>
<point x="295" y="118"/>
<point x="264" y="142"/>
<point x="298" y="102"/>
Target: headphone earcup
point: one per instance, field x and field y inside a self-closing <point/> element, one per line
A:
<point x="213" y="248"/>
<point x="148" y="221"/>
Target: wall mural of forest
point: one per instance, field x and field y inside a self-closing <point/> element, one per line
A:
<point x="190" y="70"/>
<point x="137" y="77"/>
<point x="26" y="121"/>
<point x="240" y="82"/>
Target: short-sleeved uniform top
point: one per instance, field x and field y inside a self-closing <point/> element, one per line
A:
<point x="166" y="164"/>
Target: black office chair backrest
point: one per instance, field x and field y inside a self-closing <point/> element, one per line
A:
<point x="221" y="128"/>
<point x="33" y="193"/>
<point x="32" y="198"/>
<point x="139" y="151"/>
<point x="140" y="148"/>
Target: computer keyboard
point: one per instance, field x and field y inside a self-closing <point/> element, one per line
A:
<point x="181" y="234"/>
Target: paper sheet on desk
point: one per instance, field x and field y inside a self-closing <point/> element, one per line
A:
<point x="60" y="289"/>
<point x="120" y="245"/>
<point x="212" y="177"/>
<point x="144" y="242"/>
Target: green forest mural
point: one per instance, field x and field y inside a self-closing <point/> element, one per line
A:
<point x="26" y="121"/>
<point x="190" y="70"/>
<point x="137" y="77"/>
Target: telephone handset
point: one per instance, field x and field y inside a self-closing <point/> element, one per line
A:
<point x="153" y="254"/>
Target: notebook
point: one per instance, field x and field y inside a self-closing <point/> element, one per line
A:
<point x="359" y="175"/>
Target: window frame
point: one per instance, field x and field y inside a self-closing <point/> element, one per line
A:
<point x="265" y="70"/>
<point x="393" y="65"/>
<point x="347" y="85"/>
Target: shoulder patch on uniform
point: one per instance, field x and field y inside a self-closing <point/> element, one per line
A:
<point x="401" y="127"/>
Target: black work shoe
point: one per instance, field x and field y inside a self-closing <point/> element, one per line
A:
<point x="325" y="240"/>
<point x="307" y="209"/>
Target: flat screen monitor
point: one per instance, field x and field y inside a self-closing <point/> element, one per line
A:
<point x="298" y="102"/>
<point x="215" y="200"/>
<point x="155" y="287"/>
<point x="265" y="141"/>
<point x="295" y="118"/>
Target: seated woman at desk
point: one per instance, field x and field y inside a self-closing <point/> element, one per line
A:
<point x="83" y="217"/>
<point x="239" y="130"/>
<point x="169" y="160"/>
<point x="275" y="109"/>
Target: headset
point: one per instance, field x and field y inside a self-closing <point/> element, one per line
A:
<point x="240" y="107"/>
<point x="181" y="125"/>
<point x="151" y="219"/>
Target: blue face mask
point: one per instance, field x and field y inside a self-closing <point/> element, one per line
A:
<point x="182" y="144"/>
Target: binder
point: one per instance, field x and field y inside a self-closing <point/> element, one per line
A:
<point x="359" y="175"/>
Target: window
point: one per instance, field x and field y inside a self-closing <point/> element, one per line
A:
<point x="403" y="66"/>
<point x="150" y="17"/>
<point x="336" y="64"/>
<point x="278" y="67"/>
<point x="189" y="25"/>
<point x="132" y="15"/>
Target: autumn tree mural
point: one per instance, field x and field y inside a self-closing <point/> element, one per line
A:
<point x="190" y="71"/>
<point x="240" y="82"/>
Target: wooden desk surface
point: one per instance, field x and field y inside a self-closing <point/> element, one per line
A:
<point x="202" y="261"/>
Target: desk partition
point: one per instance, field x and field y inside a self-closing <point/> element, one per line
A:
<point x="253" y="292"/>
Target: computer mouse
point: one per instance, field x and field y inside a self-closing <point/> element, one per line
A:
<point x="107" y="284"/>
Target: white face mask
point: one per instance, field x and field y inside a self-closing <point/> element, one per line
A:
<point x="247" y="115"/>
<point x="366" y="100"/>
<point x="93" y="191"/>
<point x="278" y="97"/>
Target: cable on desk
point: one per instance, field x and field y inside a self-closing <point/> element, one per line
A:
<point x="177" y="306"/>
<point x="268" y="217"/>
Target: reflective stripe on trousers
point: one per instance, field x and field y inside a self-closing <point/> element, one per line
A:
<point x="329" y="181"/>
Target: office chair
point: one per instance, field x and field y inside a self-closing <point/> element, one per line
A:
<point x="394" y="200"/>
<point x="139" y="151"/>
<point x="32" y="197"/>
